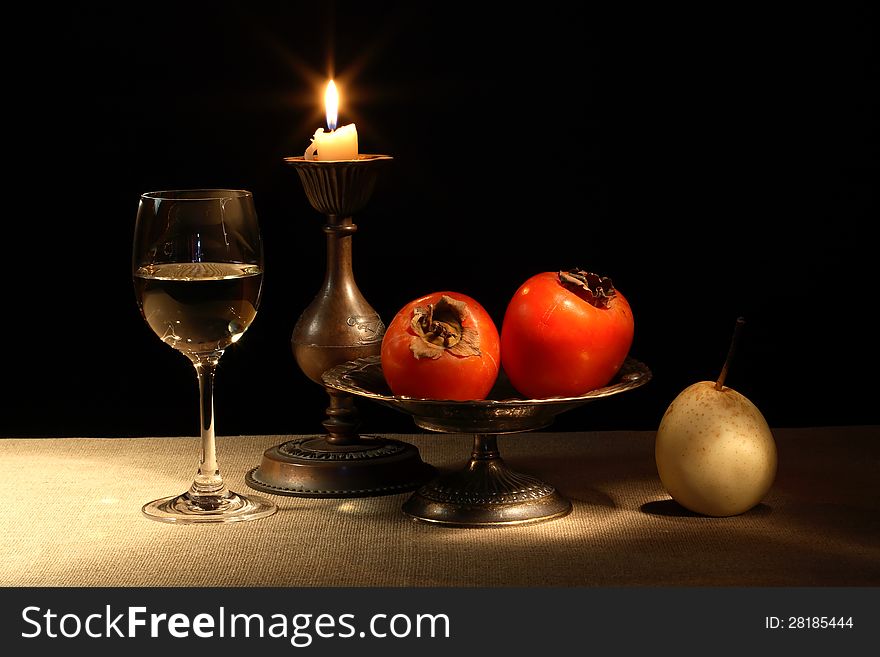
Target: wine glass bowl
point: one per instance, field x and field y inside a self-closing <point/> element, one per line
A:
<point x="199" y="308"/>
<point x="197" y="266"/>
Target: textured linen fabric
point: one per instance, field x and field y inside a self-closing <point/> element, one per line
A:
<point x="72" y="518"/>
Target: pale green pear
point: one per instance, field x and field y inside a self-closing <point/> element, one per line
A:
<point x="715" y="452"/>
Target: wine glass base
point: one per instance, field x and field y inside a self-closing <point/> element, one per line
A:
<point x="184" y="509"/>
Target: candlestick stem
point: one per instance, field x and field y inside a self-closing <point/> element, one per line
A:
<point x="339" y="232"/>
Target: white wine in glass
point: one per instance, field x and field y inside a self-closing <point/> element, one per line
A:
<point x="198" y="272"/>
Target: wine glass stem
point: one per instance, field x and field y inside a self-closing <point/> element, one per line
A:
<point x="208" y="482"/>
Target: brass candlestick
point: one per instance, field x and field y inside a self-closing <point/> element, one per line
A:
<point x="338" y="326"/>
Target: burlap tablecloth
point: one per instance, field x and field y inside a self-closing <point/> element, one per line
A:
<point x="71" y="517"/>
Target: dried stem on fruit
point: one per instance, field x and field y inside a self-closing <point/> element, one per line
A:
<point x="592" y="288"/>
<point x="441" y="327"/>
<point x="719" y="384"/>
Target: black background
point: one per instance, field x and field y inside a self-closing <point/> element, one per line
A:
<point x="715" y="162"/>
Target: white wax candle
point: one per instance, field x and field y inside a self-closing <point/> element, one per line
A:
<point x="341" y="144"/>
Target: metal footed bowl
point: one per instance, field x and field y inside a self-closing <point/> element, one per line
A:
<point x="485" y="493"/>
<point x="503" y="412"/>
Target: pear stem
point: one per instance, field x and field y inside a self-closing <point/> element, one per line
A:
<point x="719" y="384"/>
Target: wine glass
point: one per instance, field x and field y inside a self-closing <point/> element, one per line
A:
<point x="198" y="271"/>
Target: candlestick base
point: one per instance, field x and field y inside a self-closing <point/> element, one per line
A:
<point x="341" y="463"/>
<point x="310" y="466"/>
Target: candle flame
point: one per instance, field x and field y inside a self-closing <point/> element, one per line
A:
<point x="331" y="104"/>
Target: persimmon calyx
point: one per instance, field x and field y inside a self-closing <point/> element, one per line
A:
<point x="439" y="327"/>
<point x="592" y="288"/>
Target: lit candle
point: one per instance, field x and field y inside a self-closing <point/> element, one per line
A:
<point x="339" y="144"/>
